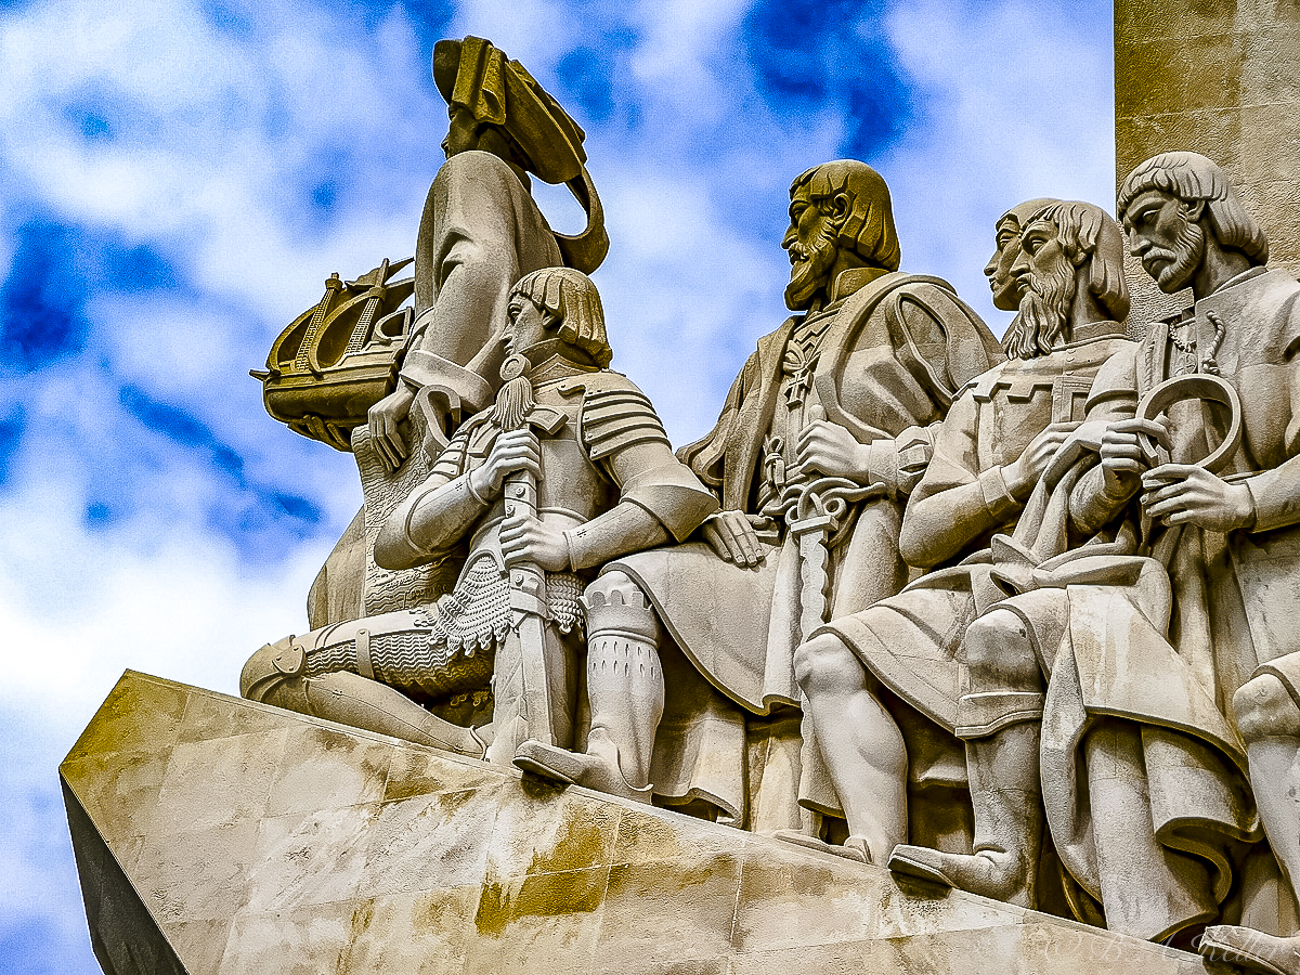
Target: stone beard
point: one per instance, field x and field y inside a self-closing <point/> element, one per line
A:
<point x="1180" y="262"/>
<point x="1044" y="311"/>
<point x="810" y="268"/>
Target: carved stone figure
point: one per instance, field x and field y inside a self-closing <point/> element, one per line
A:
<point x="1128" y="653"/>
<point x="568" y="470"/>
<point x="1065" y="260"/>
<point x="481" y="232"/>
<point x="834" y="406"/>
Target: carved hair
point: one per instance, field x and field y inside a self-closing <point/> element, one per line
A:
<point x="868" y="230"/>
<point x="1192" y="177"/>
<point x="572" y="298"/>
<point x="1087" y="231"/>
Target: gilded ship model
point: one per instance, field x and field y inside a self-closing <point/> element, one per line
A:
<point x="339" y="357"/>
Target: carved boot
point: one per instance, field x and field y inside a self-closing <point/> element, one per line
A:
<point x="277" y="674"/>
<point x="625" y="686"/>
<point x="1252" y="950"/>
<point x="1008" y="823"/>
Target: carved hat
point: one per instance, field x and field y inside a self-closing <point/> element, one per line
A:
<point x="477" y="75"/>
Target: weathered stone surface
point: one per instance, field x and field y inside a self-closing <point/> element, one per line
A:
<point x="279" y="843"/>
<point x="1219" y="77"/>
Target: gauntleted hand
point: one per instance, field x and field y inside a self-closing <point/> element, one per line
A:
<point x="514" y="450"/>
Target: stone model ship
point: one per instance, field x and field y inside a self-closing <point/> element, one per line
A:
<point x="939" y="652"/>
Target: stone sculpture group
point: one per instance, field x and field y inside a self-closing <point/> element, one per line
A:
<point x="1014" y="617"/>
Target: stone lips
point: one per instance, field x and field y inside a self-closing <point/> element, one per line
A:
<point x="216" y="835"/>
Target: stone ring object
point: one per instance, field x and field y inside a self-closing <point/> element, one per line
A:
<point x="1200" y="386"/>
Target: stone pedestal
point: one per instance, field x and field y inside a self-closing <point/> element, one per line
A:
<point x="217" y="835"/>
<point x="1222" y="78"/>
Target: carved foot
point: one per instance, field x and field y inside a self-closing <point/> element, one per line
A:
<point x="577" y="768"/>
<point x="1252" y="950"/>
<point x="989" y="874"/>
<point x="854" y="848"/>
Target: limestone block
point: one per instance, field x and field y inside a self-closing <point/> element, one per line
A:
<point x="217" y="835"/>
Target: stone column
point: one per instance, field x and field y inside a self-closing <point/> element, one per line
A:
<point x="1219" y="77"/>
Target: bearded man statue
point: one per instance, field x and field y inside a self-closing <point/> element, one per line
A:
<point x="882" y="685"/>
<point x="832" y="413"/>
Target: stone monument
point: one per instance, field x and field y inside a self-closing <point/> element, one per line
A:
<point x="937" y="654"/>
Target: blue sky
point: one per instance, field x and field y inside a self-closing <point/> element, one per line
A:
<point x="178" y="178"/>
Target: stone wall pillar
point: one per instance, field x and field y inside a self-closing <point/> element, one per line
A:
<point x="1220" y="77"/>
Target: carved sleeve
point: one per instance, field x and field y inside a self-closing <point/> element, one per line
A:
<point x="428" y="524"/>
<point x="955" y="502"/>
<point x="660" y="497"/>
<point x="467" y="259"/>
<point x="1113" y="397"/>
<point x="1275" y="494"/>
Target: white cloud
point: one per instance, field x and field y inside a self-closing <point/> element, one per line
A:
<point x="218" y="141"/>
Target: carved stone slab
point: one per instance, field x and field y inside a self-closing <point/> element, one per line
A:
<point x="218" y="835"/>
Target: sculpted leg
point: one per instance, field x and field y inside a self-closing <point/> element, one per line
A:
<point x="278" y="675"/>
<point x="625" y="688"/>
<point x="1269" y="722"/>
<point x="860" y="742"/>
<point x="1000" y="720"/>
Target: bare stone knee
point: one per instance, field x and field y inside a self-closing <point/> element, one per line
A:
<point x="1000" y="654"/>
<point x="1265" y="709"/>
<point x="825" y="664"/>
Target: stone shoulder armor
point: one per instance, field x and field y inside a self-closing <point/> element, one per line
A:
<point x="619" y="428"/>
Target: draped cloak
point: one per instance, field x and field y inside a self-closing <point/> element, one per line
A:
<point x="895" y="355"/>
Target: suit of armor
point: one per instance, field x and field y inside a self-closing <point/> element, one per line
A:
<point x="606" y="462"/>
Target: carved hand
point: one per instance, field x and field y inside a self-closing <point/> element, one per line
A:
<point x="1123" y="459"/>
<point x="1179" y="494"/>
<point x="832" y="450"/>
<point x="1021" y="475"/>
<point x="383" y="419"/>
<point x="514" y="450"/>
<point x="731" y="535"/>
<point x="528" y="539"/>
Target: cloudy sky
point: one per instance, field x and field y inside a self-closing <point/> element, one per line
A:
<point x="178" y="178"/>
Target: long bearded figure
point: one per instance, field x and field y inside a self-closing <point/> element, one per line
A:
<point x="607" y="483"/>
<point x="1111" y="681"/>
<point x="897" y="664"/>
<point x="821" y="437"/>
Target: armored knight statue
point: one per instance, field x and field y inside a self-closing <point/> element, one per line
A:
<point x="821" y="437"/>
<point x="1108" y="681"/>
<point x="482" y="231"/>
<point x="569" y="469"/>
<point x="863" y="673"/>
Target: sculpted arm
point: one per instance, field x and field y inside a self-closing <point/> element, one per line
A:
<point x="466" y="263"/>
<point x="954" y="503"/>
<point x="450" y="502"/>
<point x="1104" y="490"/>
<point x="660" y="499"/>
<point x="1262" y="502"/>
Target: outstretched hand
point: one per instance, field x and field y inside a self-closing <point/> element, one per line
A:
<point x="1180" y="494"/>
<point x="383" y="419"/>
<point x="732" y="536"/>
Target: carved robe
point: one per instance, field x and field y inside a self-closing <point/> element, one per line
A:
<point x="885" y="363"/>
<point x="1164" y="641"/>
<point x="480" y="233"/>
<point x="912" y="641"/>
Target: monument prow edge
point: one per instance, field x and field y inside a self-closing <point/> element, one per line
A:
<point x="228" y="836"/>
